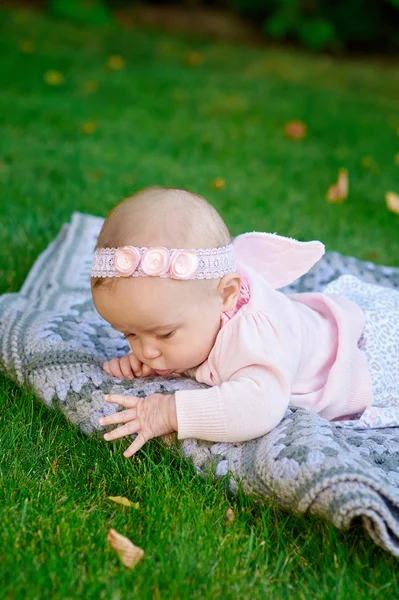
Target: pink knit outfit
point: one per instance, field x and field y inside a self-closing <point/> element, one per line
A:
<point x="276" y="350"/>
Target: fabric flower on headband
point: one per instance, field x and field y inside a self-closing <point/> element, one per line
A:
<point x="156" y="262"/>
<point x="126" y="260"/>
<point x="184" y="264"/>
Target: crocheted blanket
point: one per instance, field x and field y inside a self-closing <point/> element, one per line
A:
<point x="52" y="339"/>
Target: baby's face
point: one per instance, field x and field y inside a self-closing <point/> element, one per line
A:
<point x="170" y="325"/>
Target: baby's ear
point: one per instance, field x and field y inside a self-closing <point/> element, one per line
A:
<point x="279" y="260"/>
<point x="229" y="290"/>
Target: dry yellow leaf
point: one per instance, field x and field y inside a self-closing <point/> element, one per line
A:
<point x="392" y="201"/>
<point x="124" y="501"/>
<point x="295" y="130"/>
<point x="90" y="86"/>
<point x="367" y="162"/>
<point x="95" y="175"/>
<point x="230" y="516"/>
<point x="54" y="78"/>
<point x="88" y="128"/>
<point x="26" y="46"/>
<point x="115" y="62"/>
<point x="339" y="191"/>
<point x="129" y="554"/>
<point x="194" y="59"/>
<point x="178" y="95"/>
<point x="218" y="184"/>
<point x="396" y="159"/>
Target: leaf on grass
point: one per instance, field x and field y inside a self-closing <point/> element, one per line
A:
<point x="95" y="175"/>
<point x="26" y="46"/>
<point x="129" y="554"/>
<point x="218" y="184"/>
<point x="392" y="201"/>
<point x="367" y="162"/>
<point x="194" y="59"/>
<point x="339" y="191"/>
<point x="230" y="516"/>
<point x="54" y="78"/>
<point x="178" y="95"/>
<point x="90" y="86"/>
<point x="115" y="62"/>
<point x="396" y="159"/>
<point x="295" y="130"/>
<point x="88" y="128"/>
<point x="124" y="501"/>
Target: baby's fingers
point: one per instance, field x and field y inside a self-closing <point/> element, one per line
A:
<point x="146" y="371"/>
<point x="112" y="368"/>
<point x="136" y="445"/>
<point x="120" y="417"/>
<point x="119" y="432"/>
<point x="135" y="364"/>
<point x="122" y="400"/>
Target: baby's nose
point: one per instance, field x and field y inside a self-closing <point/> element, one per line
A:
<point x="149" y="351"/>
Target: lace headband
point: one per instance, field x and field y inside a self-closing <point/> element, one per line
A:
<point x="158" y="261"/>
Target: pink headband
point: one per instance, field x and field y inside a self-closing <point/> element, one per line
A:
<point x="158" y="261"/>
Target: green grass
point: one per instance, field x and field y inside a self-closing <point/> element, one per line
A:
<point x="161" y="121"/>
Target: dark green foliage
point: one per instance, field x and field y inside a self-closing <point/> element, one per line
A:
<point x="354" y="24"/>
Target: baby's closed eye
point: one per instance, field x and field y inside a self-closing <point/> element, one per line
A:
<point x="166" y="336"/>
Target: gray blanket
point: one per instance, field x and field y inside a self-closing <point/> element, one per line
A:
<point x="52" y="339"/>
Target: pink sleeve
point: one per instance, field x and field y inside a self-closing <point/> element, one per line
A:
<point x="256" y="367"/>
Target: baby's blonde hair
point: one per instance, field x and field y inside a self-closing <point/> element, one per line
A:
<point x="163" y="216"/>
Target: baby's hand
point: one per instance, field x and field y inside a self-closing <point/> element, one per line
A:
<point x="149" y="417"/>
<point x="127" y="367"/>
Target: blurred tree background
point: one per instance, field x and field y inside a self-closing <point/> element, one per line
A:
<point x="353" y="25"/>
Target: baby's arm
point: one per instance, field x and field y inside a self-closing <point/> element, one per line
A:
<point x="254" y="364"/>
<point x="243" y="408"/>
<point x="127" y="367"/>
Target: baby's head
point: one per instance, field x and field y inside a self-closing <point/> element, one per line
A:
<point x="171" y="324"/>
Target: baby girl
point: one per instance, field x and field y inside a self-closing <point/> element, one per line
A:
<point x="191" y="301"/>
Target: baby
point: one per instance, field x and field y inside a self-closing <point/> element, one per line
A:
<point x="190" y="301"/>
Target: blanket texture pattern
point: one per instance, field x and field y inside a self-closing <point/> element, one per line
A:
<point x="52" y="339"/>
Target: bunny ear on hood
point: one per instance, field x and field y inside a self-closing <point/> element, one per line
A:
<point x="279" y="260"/>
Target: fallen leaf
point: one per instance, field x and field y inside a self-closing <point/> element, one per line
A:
<point x="115" y="62"/>
<point x="367" y="162"/>
<point x="95" y="175"/>
<point x="339" y="191"/>
<point x="178" y="95"/>
<point x="124" y="501"/>
<point x="295" y="130"/>
<point x="88" y="128"/>
<point x="218" y="184"/>
<point x="125" y="20"/>
<point x="396" y="159"/>
<point x="392" y="201"/>
<point x="26" y="46"/>
<point x="54" y="78"/>
<point x="90" y="86"/>
<point x="129" y="554"/>
<point x="230" y="516"/>
<point x="194" y="59"/>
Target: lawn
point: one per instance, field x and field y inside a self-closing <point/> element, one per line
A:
<point x="89" y="116"/>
